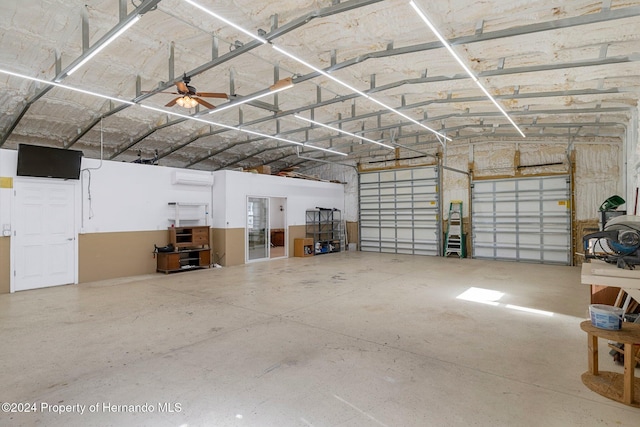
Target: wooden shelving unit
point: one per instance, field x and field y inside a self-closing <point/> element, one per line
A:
<point x="303" y="247"/>
<point x="192" y="250"/>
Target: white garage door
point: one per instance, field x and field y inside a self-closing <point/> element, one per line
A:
<point x="523" y="219"/>
<point x="399" y="211"/>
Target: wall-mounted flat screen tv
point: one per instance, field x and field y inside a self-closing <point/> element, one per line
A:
<point x="48" y="162"/>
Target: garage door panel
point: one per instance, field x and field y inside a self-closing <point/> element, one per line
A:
<point x="502" y="186"/>
<point x="522" y="219"/>
<point x="406" y="213"/>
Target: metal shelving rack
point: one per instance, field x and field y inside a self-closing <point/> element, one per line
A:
<point x="324" y="226"/>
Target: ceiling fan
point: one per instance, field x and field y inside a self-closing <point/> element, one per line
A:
<point x="189" y="97"/>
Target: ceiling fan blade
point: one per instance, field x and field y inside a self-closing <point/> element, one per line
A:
<point x="172" y="102"/>
<point x="204" y="103"/>
<point x="182" y="87"/>
<point x="213" y="95"/>
<point x="282" y="84"/>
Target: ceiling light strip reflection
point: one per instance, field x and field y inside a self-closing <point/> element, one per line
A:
<point x="455" y="56"/>
<point x="343" y="131"/>
<point x="316" y="69"/>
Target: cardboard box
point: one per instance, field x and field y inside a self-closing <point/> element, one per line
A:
<point x="264" y="169"/>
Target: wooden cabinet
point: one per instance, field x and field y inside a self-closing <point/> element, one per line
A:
<point x="192" y="250"/>
<point x="169" y="262"/>
<point x="189" y="237"/>
<point x="277" y="237"/>
<point x="303" y="247"/>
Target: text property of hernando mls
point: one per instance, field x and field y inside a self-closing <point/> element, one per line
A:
<point x="98" y="407"/>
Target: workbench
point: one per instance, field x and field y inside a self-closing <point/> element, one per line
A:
<point x="624" y="388"/>
<point x="601" y="273"/>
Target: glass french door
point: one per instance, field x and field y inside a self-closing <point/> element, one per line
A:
<point x="257" y="228"/>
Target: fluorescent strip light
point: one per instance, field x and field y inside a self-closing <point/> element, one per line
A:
<point x="263" y="135"/>
<point x="318" y="70"/>
<point x="226" y="21"/>
<point x="359" y="92"/>
<point x="103" y="45"/>
<point x="453" y="53"/>
<point x="444" y="41"/>
<point x="410" y="119"/>
<point x="279" y="87"/>
<point x="47" y="82"/>
<point x="342" y="131"/>
<point x="504" y="113"/>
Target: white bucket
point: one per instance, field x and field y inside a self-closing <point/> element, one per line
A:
<point x="606" y="316"/>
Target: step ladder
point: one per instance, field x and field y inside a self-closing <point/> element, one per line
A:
<point x="454" y="239"/>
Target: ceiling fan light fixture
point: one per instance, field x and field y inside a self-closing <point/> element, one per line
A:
<point x="186" y="102"/>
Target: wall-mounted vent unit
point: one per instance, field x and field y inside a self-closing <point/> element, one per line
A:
<point x="189" y="178"/>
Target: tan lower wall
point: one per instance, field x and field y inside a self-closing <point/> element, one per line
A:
<point x="295" y="232"/>
<point x="228" y="246"/>
<point x="218" y="244"/>
<point x="111" y="255"/>
<point x="5" y="264"/>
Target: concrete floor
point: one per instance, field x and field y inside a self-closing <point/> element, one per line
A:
<point x="349" y="339"/>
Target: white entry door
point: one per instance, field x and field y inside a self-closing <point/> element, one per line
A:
<point x="44" y="253"/>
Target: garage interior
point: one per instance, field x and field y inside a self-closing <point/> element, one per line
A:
<point x="387" y="115"/>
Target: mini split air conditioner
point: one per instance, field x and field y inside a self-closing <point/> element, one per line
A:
<point x="189" y="178"/>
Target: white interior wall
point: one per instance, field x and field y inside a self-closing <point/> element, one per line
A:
<point x="301" y="195"/>
<point x="8" y="164"/>
<point x="118" y="196"/>
<point x="133" y="197"/>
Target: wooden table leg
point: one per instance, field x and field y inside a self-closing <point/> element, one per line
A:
<point x="593" y="354"/>
<point x="629" y="380"/>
